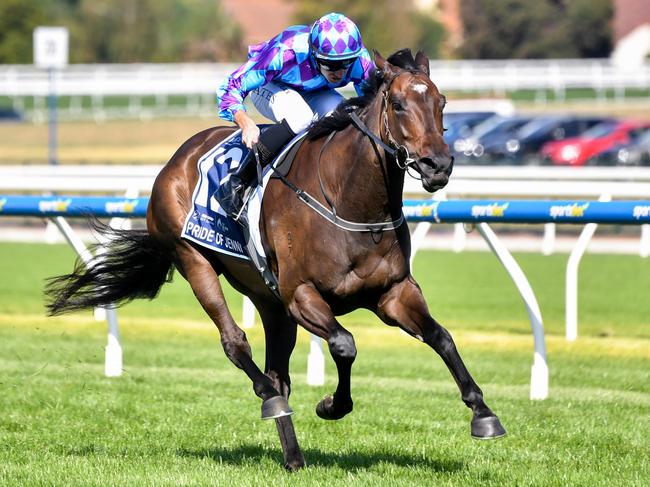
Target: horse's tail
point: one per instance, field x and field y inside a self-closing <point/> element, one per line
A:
<point x="131" y="266"/>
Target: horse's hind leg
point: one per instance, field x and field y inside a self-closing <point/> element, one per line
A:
<point x="204" y="281"/>
<point x="404" y="306"/>
<point x="314" y="314"/>
<point x="280" y="333"/>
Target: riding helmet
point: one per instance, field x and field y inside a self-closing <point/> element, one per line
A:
<point x="334" y="37"/>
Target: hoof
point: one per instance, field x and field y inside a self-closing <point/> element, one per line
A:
<point x="295" y="465"/>
<point x="487" y="428"/>
<point x="276" y="407"/>
<point x="327" y="410"/>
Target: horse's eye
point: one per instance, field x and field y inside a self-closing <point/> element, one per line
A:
<point x="397" y="106"/>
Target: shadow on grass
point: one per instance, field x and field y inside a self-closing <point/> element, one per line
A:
<point x="354" y="460"/>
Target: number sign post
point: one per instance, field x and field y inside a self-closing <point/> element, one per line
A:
<point x="51" y="53"/>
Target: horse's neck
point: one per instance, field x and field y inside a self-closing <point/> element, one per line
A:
<point x="368" y="187"/>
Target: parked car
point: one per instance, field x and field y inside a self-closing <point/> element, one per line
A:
<point x="470" y="149"/>
<point x="633" y="153"/>
<point x="461" y="124"/>
<point x="577" y="150"/>
<point x="523" y="146"/>
<point x="10" y="115"/>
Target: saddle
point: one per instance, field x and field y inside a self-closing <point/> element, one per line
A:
<point x="207" y="225"/>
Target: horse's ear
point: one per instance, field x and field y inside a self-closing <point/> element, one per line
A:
<point x="380" y="62"/>
<point x="383" y="65"/>
<point x="422" y="61"/>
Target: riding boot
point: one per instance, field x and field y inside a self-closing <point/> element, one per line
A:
<point x="230" y="194"/>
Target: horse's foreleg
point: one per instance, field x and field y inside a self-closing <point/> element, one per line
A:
<point x="310" y="310"/>
<point x="404" y="306"/>
<point x="205" y="284"/>
<point x="280" y="333"/>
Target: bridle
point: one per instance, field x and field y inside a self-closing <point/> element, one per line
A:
<point x="396" y="150"/>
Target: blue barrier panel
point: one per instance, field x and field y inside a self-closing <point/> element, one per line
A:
<point x="73" y="206"/>
<point x="533" y="211"/>
<point x="520" y="211"/>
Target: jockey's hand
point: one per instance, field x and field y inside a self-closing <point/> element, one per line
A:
<point x="250" y="132"/>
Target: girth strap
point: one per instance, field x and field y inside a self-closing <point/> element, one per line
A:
<point x="326" y="213"/>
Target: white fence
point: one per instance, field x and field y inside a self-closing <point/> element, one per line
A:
<point x="467" y="181"/>
<point x="483" y="181"/>
<point x="202" y="78"/>
<point x="589" y="183"/>
<point x="198" y="81"/>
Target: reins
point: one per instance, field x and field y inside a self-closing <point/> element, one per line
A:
<point x="395" y="150"/>
<point x="398" y="151"/>
<point x="331" y="215"/>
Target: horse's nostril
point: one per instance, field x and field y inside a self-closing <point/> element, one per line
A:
<point x="443" y="164"/>
<point x="450" y="167"/>
<point x="429" y="162"/>
<point x="439" y="164"/>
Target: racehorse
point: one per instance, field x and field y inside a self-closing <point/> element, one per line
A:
<point x="357" y="256"/>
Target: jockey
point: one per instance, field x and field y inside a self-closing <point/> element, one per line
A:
<point x="290" y="80"/>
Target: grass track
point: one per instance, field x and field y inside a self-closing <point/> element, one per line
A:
<point x="183" y="415"/>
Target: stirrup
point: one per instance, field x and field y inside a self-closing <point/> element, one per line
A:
<point x="240" y="213"/>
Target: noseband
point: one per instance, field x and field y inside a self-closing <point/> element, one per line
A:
<point x="393" y="148"/>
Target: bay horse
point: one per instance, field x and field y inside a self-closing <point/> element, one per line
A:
<point x="354" y="162"/>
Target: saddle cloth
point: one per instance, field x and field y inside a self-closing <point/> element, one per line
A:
<point x="207" y="224"/>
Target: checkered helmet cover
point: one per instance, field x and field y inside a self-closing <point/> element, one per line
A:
<point x="334" y="37"/>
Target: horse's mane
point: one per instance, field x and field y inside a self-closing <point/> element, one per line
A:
<point x="340" y="118"/>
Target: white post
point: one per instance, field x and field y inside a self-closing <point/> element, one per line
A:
<point x="248" y="313"/>
<point x="113" y="358"/>
<point x="72" y="238"/>
<point x="315" y="362"/>
<point x="121" y="223"/>
<point x="539" y="369"/>
<point x="417" y="239"/>
<point x="113" y="351"/>
<point x="571" y="291"/>
<point x="460" y="238"/>
<point x="548" y="243"/>
<point x="644" y="244"/>
<point x="52" y="233"/>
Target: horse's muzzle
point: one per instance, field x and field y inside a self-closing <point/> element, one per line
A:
<point x="435" y="172"/>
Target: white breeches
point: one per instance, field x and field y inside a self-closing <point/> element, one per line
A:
<point x="298" y="108"/>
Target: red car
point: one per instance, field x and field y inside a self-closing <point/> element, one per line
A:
<point x="575" y="151"/>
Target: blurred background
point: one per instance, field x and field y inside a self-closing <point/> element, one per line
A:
<point x="549" y="83"/>
<point x="521" y="78"/>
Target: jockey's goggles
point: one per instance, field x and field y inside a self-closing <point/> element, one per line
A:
<point x="335" y="65"/>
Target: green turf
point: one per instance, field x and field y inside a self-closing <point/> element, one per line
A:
<point x="183" y="415"/>
<point x="469" y="290"/>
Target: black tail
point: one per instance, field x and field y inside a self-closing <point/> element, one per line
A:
<point x="132" y="266"/>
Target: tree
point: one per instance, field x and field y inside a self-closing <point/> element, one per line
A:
<point x="123" y="30"/>
<point x="589" y="26"/>
<point x="152" y="30"/>
<point x="502" y="29"/>
<point x="18" y="19"/>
